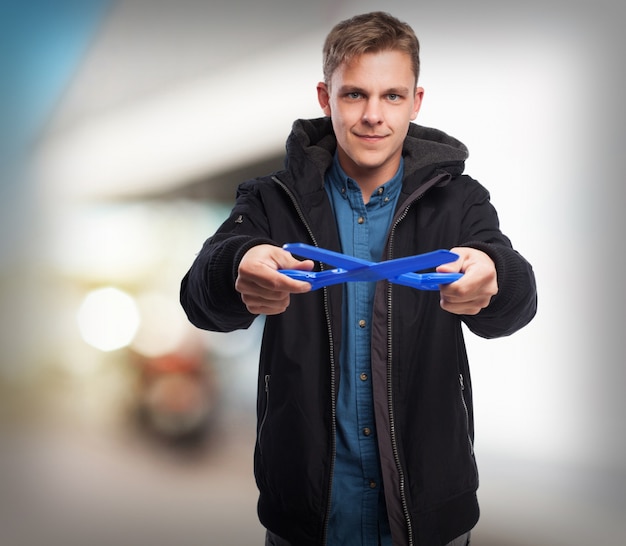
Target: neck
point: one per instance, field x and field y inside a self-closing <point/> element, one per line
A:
<point x="368" y="178"/>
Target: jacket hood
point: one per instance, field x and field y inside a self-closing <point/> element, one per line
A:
<point x="313" y="140"/>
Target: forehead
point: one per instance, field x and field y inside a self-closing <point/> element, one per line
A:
<point x="390" y="68"/>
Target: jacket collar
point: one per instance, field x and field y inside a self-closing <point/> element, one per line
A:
<point x="312" y="143"/>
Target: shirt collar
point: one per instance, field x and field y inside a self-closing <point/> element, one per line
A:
<point x="343" y="184"/>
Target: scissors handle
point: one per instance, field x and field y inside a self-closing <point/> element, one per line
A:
<point x="317" y="279"/>
<point x="421" y="281"/>
<point x="426" y="281"/>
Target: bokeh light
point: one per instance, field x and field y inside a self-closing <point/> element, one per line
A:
<point x="108" y="318"/>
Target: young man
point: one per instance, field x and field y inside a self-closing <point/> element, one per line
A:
<point x="365" y="424"/>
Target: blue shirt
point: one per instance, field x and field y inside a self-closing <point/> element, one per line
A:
<point x="357" y="502"/>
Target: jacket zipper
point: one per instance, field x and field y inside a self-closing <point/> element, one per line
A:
<point x="392" y="420"/>
<point x="333" y="402"/>
<point x="390" y="408"/>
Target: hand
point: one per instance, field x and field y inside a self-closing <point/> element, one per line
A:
<point x="472" y="292"/>
<point x="263" y="289"/>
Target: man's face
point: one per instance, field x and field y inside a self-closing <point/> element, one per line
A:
<point x="371" y="101"/>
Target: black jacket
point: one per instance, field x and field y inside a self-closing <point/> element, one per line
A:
<point x="420" y="374"/>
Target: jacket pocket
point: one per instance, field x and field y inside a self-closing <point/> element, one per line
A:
<point x="265" y="412"/>
<point x="466" y="412"/>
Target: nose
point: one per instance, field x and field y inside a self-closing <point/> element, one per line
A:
<point x="372" y="112"/>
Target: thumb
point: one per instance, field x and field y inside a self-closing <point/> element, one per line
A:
<point x="451" y="267"/>
<point x="294" y="263"/>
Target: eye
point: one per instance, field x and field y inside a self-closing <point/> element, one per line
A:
<point x="393" y="97"/>
<point x="354" y="95"/>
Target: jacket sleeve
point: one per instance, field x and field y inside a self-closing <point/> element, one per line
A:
<point x="515" y="304"/>
<point x="207" y="291"/>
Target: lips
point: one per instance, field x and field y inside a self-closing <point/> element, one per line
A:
<point x="371" y="137"/>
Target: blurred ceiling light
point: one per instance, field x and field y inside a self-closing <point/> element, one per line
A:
<point x="108" y="319"/>
<point x="186" y="132"/>
<point x="107" y="243"/>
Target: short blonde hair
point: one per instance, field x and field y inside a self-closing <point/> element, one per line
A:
<point x="369" y="33"/>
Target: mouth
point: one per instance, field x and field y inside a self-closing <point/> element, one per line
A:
<point x="371" y="138"/>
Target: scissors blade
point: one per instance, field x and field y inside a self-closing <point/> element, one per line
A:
<point x="395" y="267"/>
<point x="329" y="257"/>
<point x="347" y="267"/>
<point x="387" y="268"/>
<point x="357" y="269"/>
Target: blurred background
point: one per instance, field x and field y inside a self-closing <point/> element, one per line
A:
<point x="125" y="128"/>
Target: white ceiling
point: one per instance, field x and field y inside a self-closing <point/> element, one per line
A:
<point x="145" y="47"/>
<point x="172" y="92"/>
<point x="167" y="91"/>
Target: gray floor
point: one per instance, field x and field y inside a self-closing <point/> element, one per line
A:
<point x="75" y="485"/>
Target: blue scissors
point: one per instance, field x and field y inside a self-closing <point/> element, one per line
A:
<point x="348" y="268"/>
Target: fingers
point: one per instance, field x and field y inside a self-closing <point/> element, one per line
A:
<point x="259" y="305"/>
<point x="461" y="302"/>
<point x="474" y="291"/>
<point x="263" y="289"/>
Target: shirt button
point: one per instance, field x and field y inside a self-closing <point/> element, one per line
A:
<point x="372" y="484"/>
<point x="362" y="323"/>
<point x="381" y="190"/>
<point x="367" y="431"/>
<point x="363" y="377"/>
<point x="361" y="220"/>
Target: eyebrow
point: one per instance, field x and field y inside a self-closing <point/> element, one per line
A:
<point x="355" y="89"/>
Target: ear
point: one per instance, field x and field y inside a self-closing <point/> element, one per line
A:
<point x="323" y="96"/>
<point x="417" y="102"/>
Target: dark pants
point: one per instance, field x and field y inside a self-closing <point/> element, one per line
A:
<point x="274" y="540"/>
